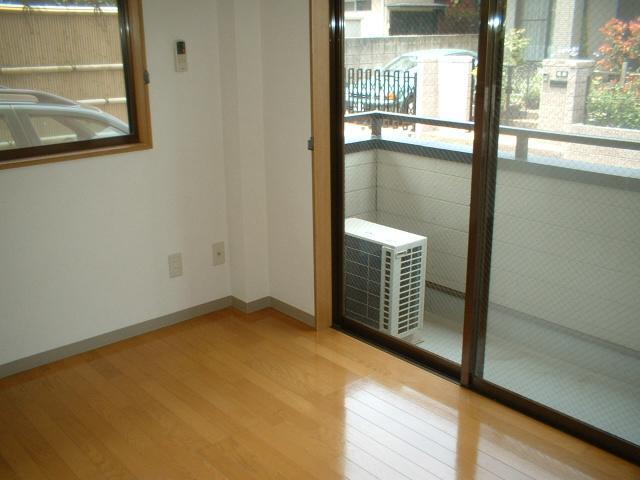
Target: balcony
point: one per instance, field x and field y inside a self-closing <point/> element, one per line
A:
<point x="564" y="302"/>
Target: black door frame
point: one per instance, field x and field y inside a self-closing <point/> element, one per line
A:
<point x="412" y="353"/>
<point x="469" y="373"/>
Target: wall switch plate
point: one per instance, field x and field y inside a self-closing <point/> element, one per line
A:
<point x="175" y="265"/>
<point x="218" y="253"/>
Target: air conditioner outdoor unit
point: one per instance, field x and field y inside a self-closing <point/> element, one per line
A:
<point x="384" y="277"/>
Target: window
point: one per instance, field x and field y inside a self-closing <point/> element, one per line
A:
<point x="6" y="137"/>
<point x="414" y="22"/>
<point x="50" y="130"/>
<point x="357" y="5"/>
<point x="529" y="284"/>
<point x="72" y="80"/>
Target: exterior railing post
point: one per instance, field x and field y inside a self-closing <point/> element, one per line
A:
<point x="376" y="126"/>
<point x="522" y="147"/>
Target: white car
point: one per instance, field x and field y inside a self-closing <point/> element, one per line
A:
<point x="31" y="118"/>
<point x="393" y="87"/>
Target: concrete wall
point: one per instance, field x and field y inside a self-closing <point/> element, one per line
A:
<point x="376" y="52"/>
<point x="566" y="34"/>
<point x="602" y="155"/>
<point x="564" y="250"/>
<point x="361" y="185"/>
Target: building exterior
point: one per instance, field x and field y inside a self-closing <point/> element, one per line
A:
<point x="555" y="28"/>
<point x="566" y="28"/>
<point x="364" y="18"/>
<point x="378" y="18"/>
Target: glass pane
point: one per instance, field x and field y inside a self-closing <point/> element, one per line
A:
<point x="51" y="130"/>
<point x="62" y="59"/>
<point x="6" y="137"/>
<point x="563" y="324"/>
<point x="409" y="91"/>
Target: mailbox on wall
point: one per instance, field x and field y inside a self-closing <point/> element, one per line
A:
<point x="558" y="79"/>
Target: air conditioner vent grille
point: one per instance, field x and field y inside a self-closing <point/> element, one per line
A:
<point x="362" y="281"/>
<point x="386" y="313"/>
<point x="384" y="277"/>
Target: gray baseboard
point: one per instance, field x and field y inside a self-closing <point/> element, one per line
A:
<point x="293" y="312"/>
<point x="98" y="341"/>
<point x="250" y="307"/>
<point x="282" y="307"/>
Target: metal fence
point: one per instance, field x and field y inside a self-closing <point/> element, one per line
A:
<point x="367" y="90"/>
<point x="521" y="86"/>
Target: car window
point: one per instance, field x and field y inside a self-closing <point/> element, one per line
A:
<point x="403" y="63"/>
<point x="97" y="128"/>
<point x="51" y="131"/>
<point x="6" y="138"/>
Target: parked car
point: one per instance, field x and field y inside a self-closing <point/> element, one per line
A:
<point x="393" y="87"/>
<point x="31" y="118"/>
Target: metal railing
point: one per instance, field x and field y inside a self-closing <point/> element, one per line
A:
<point x="521" y="87"/>
<point x="523" y="135"/>
<point x="386" y="90"/>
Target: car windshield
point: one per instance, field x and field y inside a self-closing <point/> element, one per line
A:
<point x="403" y="63"/>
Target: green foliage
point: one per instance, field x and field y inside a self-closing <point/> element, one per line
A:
<point x="515" y="43"/>
<point x="614" y="105"/>
<point x="521" y="81"/>
<point x="531" y="98"/>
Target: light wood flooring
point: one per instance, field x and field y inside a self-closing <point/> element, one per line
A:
<point x="262" y="397"/>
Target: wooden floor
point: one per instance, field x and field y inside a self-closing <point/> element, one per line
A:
<point x="260" y="397"/>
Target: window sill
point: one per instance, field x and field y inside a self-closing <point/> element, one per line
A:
<point x="63" y="157"/>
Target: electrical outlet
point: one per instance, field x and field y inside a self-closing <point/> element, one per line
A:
<point x="218" y="253"/>
<point x="175" y="265"/>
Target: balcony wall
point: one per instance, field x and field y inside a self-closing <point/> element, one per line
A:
<point x="566" y="244"/>
<point x="361" y="185"/>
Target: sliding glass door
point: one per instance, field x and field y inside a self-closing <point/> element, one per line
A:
<point x="563" y="315"/>
<point x="409" y="79"/>
<point x="487" y="159"/>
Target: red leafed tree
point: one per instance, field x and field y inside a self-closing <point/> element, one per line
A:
<point x="622" y="44"/>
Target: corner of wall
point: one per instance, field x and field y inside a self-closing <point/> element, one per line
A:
<point x="244" y="149"/>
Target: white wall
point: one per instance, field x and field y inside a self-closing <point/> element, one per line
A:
<point x="287" y="124"/>
<point x="84" y="244"/>
<point x="267" y="112"/>
<point x="242" y="102"/>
